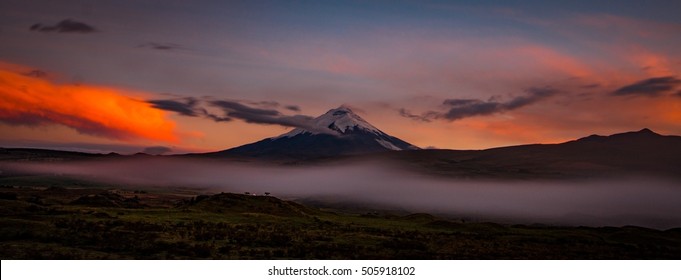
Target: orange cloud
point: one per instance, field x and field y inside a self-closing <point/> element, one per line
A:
<point x="93" y="110"/>
<point x="653" y="64"/>
<point x="555" y="60"/>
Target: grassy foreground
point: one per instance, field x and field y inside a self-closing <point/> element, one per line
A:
<point x="106" y="223"/>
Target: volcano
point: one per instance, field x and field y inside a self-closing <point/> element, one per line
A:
<point x="339" y="131"/>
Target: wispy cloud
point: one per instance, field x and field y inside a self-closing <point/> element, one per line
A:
<point x="463" y="108"/>
<point x="260" y="112"/>
<point x="262" y="116"/>
<point x="64" y="26"/>
<point x="162" y="46"/>
<point x="183" y="106"/>
<point x="649" y="87"/>
<point x="405" y="113"/>
<point x="187" y="106"/>
<point x="294" y="108"/>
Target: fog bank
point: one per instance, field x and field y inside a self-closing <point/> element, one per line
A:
<point x="643" y="202"/>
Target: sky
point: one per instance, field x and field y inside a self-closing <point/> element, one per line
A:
<point x="193" y="76"/>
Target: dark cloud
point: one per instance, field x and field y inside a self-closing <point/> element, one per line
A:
<point x="238" y="110"/>
<point x="248" y="114"/>
<point x="405" y="113"/>
<point x="589" y="86"/>
<point x="162" y="46"/>
<point x="64" y="26"/>
<point x="534" y="95"/>
<point x="267" y="104"/>
<point x="191" y="107"/>
<point x="463" y="108"/>
<point x="293" y="108"/>
<point x="478" y="107"/>
<point x="184" y="106"/>
<point x="157" y="150"/>
<point x="678" y="93"/>
<point x="23" y="118"/>
<point x="215" y="117"/>
<point x="460" y="102"/>
<point x="649" y="87"/>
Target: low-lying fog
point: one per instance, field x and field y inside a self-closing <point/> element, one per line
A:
<point x="643" y="202"/>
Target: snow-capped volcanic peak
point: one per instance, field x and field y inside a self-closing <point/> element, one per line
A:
<point x="341" y="120"/>
<point x="337" y="132"/>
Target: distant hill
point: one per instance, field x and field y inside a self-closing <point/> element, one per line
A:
<point x="27" y="154"/>
<point x="641" y="152"/>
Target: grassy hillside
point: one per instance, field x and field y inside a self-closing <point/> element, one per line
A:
<point x="91" y="223"/>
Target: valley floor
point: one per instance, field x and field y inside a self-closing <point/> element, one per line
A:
<point x="38" y="222"/>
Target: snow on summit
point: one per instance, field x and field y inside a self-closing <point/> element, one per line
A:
<point x="340" y="120"/>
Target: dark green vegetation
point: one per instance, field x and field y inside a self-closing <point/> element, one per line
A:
<point x="47" y="215"/>
<point x="40" y="222"/>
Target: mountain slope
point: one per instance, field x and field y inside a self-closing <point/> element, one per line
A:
<point x="337" y="132"/>
<point x="638" y="153"/>
<point x="642" y="152"/>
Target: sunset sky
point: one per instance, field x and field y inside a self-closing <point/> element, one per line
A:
<point x="180" y="76"/>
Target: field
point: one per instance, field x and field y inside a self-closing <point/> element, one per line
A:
<point x="43" y="217"/>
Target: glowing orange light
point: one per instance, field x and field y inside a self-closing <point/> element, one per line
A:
<point x="101" y="111"/>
